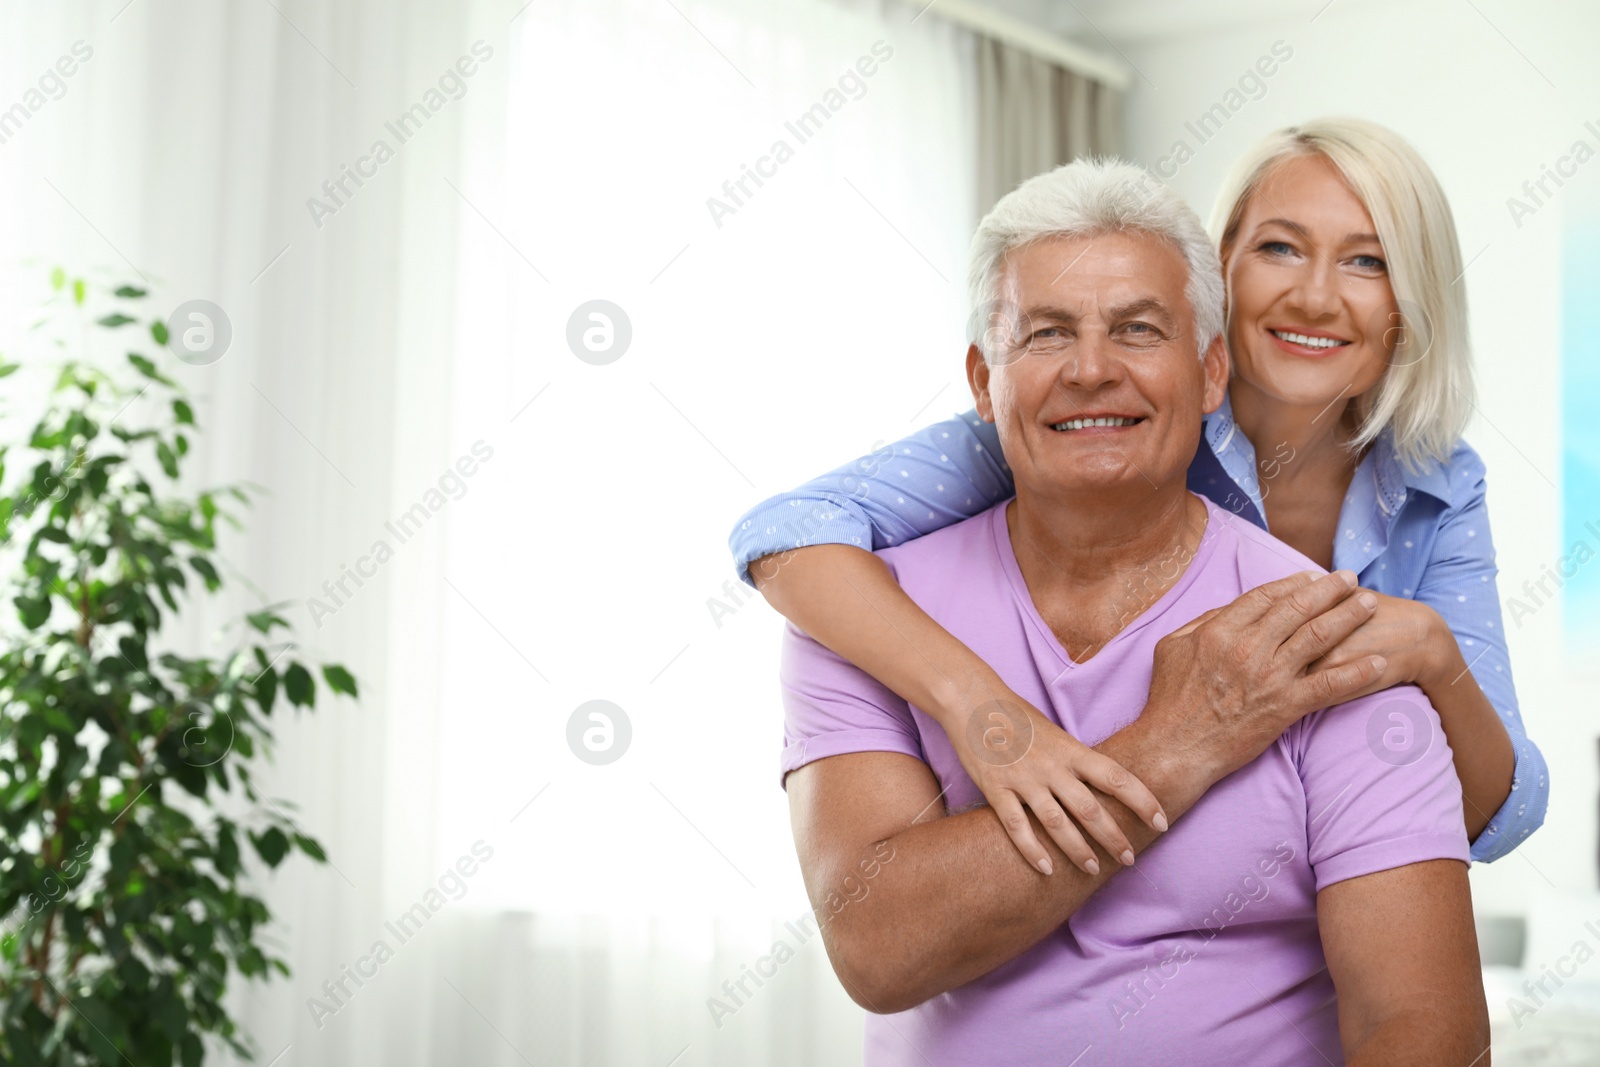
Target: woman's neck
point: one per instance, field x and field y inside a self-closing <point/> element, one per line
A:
<point x="1292" y="441"/>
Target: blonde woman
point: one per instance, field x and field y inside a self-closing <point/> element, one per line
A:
<point x="1341" y="435"/>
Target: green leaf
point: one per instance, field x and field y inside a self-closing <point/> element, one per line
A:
<point x="169" y="462"/>
<point x="339" y="679"/>
<point x="129" y="292"/>
<point x="79" y="291"/>
<point x="299" y="686"/>
<point x="148" y="369"/>
<point x="310" y="847"/>
<point x="33" y="611"/>
<point x="106" y="1031"/>
<point x="8" y="369"/>
<point x="115" y="319"/>
<point x="271" y="846"/>
<point x="158" y="331"/>
<point x="58" y="278"/>
<point x="203" y="567"/>
<point x="227" y="854"/>
<point x="181" y="411"/>
<point x="266" y="690"/>
<point x="266" y="620"/>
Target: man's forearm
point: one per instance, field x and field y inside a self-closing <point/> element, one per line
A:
<point x="959" y="900"/>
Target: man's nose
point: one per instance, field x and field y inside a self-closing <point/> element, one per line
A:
<point x="1093" y="363"/>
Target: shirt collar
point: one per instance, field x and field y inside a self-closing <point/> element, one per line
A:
<point x="1391" y="476"/>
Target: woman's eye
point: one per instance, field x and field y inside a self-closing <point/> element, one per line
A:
<point x="1276" y="248"/>
<point x="1370" y="263"/>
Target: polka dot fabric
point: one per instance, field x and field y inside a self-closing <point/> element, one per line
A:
<point x="1419" y="535"/>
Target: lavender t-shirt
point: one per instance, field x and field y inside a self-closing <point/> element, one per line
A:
<point x="1207" y="952"/>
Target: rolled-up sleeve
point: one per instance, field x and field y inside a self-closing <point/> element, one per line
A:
<point x="941" y="474"/>
<point x="1459" y="583"/>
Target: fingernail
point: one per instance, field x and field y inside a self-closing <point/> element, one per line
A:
<point x="1368" y="601"/>
<point x="1044" y="865"/>
<point x="1093" y="866"/>
<point x="1348" y="578"/>
<point x="1127" y="857"/>
<point x="1379" y="662"/>
<point x="1160" y="822"/>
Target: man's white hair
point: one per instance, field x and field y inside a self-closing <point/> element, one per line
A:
<point x="1085" y="198"/>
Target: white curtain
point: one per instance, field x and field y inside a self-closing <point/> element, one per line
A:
<point x="401" y="365"/>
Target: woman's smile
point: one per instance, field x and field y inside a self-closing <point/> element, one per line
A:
<point x="1307" y="281"/>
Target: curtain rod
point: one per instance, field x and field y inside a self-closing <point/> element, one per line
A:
<point x="1031" y="39"/>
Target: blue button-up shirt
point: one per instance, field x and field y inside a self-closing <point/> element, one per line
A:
<point x="1421" y="536"/>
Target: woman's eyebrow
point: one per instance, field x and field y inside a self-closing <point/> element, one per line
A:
<point x="1295" y="227"/>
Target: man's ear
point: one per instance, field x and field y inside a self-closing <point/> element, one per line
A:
<point x="1215" y="365"/>
<point x="978" y="381"/>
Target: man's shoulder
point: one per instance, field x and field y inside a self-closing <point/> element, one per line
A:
<point x="968" y="541"/>
<point x="1262" y="558"/>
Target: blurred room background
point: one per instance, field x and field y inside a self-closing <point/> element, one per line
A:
<point x="394" y="311"/>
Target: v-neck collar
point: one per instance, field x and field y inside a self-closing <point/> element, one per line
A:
<point x="1019" y="587"/>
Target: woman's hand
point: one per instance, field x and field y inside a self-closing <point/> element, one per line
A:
<point x="1017" y="756"/>
<point x="1411" y="636"/>
<point x="1227" y="685"/>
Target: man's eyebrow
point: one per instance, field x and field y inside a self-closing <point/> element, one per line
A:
<point x="1050" y="312"/>
<point x="1295" y="227"/>
<point x="1148" y="306"/>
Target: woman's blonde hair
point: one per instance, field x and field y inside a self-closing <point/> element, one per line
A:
<point x="1426" y="395"/>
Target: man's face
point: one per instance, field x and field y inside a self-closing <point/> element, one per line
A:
<point x="1106" y="333"/>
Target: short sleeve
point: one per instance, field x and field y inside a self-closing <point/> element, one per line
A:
<point x="832" y="707"/>
<point x="1380" y="785"/>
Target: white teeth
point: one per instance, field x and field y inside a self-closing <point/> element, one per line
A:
<point x="1309" y="342"/>
<point x="1081" y="424"/>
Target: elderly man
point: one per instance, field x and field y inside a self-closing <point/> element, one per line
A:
<point x="1309" y="901"/>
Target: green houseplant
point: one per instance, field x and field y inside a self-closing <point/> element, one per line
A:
<point x="126" y="800"/>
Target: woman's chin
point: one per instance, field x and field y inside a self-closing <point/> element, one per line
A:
<point x="1318" y="391"/>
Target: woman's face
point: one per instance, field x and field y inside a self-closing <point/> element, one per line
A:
<point x="1311" y="315"/>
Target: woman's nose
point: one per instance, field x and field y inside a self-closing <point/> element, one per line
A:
<point x="1316" y="290"/>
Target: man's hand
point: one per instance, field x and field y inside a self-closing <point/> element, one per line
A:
<point x="1224" y="688"/>
<point x="1228" y="684"/>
